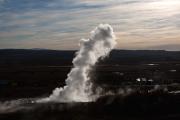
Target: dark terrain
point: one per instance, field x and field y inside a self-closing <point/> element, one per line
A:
<point x="152" y="76"/>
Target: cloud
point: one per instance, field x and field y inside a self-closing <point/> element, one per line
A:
<point x="1" y="1"/>
<point x="137" y="23"/>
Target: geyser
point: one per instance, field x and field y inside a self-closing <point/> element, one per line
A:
<point x="78" y="85"/>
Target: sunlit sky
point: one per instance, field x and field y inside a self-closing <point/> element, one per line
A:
<point x="60" y="24"/>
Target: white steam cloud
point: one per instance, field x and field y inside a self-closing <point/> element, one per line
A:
<point x="78" y="85"/>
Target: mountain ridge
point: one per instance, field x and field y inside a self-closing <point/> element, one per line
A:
<point x="64" y="57"/>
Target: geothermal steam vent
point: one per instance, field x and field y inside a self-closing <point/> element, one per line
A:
<point x="78" y="85"/>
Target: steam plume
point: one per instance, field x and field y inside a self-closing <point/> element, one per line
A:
<point x="78" y="85"/>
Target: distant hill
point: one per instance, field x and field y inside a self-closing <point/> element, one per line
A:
<point x="35" y="57"/>
<point x="13" y="57"/>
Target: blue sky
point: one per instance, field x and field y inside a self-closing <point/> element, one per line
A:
<point x="60" y="24"/>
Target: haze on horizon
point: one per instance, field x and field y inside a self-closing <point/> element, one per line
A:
<point x="60" y="24"/>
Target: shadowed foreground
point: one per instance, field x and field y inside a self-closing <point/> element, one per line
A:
<point x="137" y="106"/>
<point x="30" y="74"/>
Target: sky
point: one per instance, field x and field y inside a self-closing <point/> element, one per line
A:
<point x="60" y="24"/>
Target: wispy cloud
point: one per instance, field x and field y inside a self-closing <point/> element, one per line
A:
<point x="59" y="24"/>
